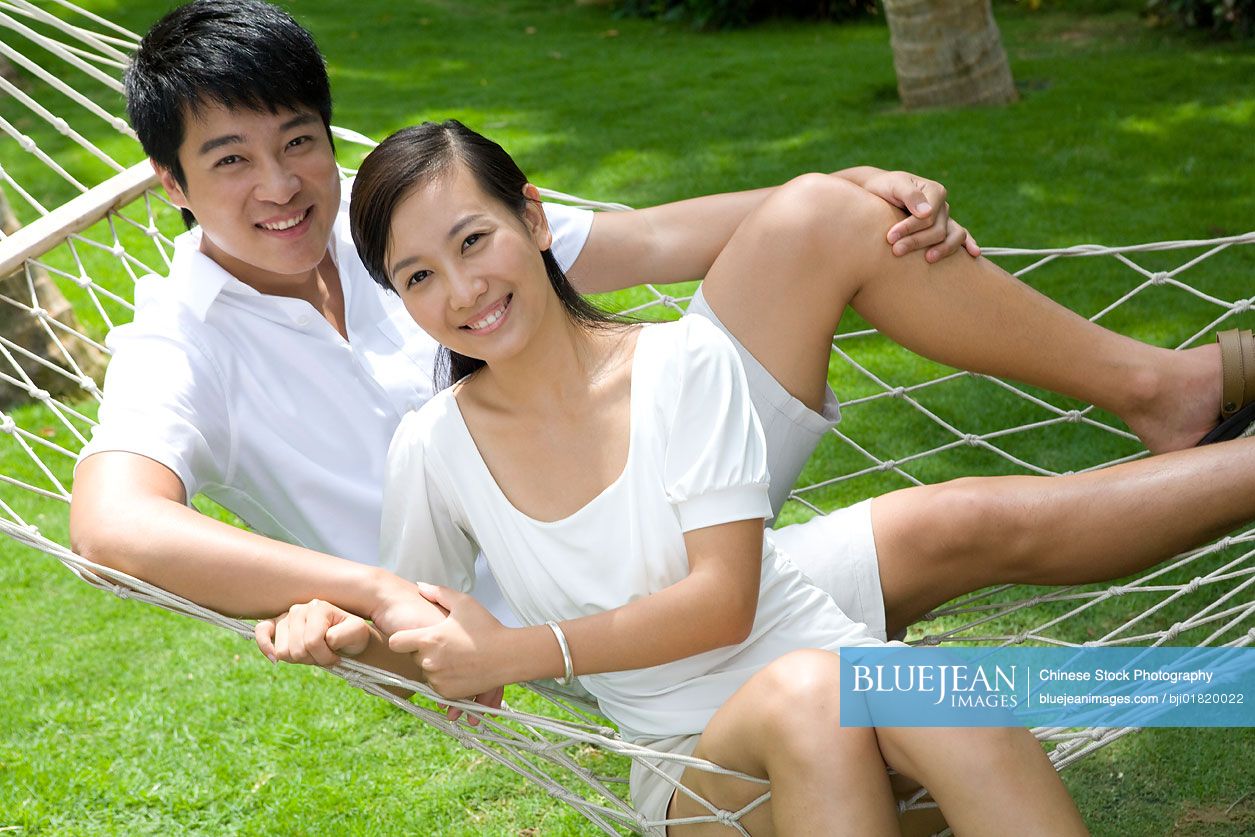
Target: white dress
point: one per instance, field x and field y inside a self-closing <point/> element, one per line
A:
<point x="696" y="458"/>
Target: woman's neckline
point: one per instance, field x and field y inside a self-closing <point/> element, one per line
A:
<point x="605" y="490"/>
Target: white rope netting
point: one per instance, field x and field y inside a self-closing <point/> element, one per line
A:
<point x="81" y="228"/>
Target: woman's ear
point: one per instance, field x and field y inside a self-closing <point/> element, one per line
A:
<point x="534" y="218"/>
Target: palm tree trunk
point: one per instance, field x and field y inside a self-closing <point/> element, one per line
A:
<point x="948" y="52"/>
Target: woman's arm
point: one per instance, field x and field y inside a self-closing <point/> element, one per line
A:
<point x="714" y="606"/>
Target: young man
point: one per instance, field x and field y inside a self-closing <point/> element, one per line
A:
<point x="268" y="372"/>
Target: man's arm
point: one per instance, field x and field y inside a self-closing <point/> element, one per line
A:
<point x="128" y="512"/>
<point x="678" y="242"/>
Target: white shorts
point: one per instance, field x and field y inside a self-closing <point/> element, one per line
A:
<point x="791" y="428"/>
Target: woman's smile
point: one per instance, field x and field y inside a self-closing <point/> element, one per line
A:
<point x="490" y="318"/>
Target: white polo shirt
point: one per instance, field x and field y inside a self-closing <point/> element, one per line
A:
<point x="258" y="403"/>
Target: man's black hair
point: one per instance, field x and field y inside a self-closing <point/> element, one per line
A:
<point x="234" y="53"/>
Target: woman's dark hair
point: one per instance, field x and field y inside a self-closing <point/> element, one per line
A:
<point x="417" y="155"/>
<point x="235" y="53"/>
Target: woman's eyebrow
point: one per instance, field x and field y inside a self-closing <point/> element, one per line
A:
<point x="461" y="224"/>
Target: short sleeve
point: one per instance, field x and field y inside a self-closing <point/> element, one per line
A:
<point x="716" y="457"/>
<point x="164" y="399"/>
<point x="420" y="539"/>
<point x="570" y="228"/>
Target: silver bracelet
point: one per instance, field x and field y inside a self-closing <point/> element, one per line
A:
<point x="569" y="669"/>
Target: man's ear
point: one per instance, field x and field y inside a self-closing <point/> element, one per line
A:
<point x="534" y="217"/>
<point x="178" y="197"/>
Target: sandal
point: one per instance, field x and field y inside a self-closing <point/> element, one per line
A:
<point x="1237" y="399"/>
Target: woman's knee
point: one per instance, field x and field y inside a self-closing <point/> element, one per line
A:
<point x="802" y="694"/>
<point x="974" y="521"/>
<point x="821" y="207"/>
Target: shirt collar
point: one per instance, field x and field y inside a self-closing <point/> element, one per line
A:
<point x="198" y="279"/>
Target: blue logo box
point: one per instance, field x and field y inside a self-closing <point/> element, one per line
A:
<point x="1048" y="687"/>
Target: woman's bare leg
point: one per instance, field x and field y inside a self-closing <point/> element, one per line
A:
<point x="784" y="725"/>
<point x="817" y="245"/>
<point x="939" y="541"/>
<point x="781" y="286"/>
<point x="992" y="781"/>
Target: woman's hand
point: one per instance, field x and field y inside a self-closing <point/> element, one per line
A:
<point x="315" y="633"/>
<point x="929" y="225"/>
<point x="466" y="655"/>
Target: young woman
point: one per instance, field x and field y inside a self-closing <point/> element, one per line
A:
<point x="615" y="477"/>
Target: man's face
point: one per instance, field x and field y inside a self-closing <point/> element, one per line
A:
<point x="264" y="188"/>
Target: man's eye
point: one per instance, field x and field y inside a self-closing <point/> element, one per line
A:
<point x="229" y="160"/>
<point x="302" y="140"/>
<point x="417" y="277"/>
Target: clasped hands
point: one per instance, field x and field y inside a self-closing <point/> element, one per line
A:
<point x="459" y="649"/>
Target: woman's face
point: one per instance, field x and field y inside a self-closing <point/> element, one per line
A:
<point x="468" y="270"/>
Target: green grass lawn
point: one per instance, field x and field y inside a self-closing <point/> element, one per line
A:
<point x="121" y="719"/>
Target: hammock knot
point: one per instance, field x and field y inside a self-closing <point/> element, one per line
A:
<point x="1224" y="543"/>
<point x="1072" y="416"/>
<point x="120" y="591"/>
<point x="727" y="818"/>
<point x="38" y="313"/>
<point x="28" y="144"/>
<point x="898" y="392"/>
<point x="88" y="384"/>
<point x="1159" y="277"/>
<point x="888" y="465"/>
<point x="1194" y="584"/>
<point x="1173" y="632"/>
<point x="971" y="439"/>
<point x="118" y="251"/>
<point x="1117" y="590"/>
<point x="151" y="231"/>
<point x="119" y="125"/>
<point x="41" y="394"/>
<point x="7" y="425"/>
<point x="83" y="280"/>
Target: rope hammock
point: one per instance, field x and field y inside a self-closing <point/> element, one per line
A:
<point x="67" y="277"/>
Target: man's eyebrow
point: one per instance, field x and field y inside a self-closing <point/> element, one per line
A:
<point x="453" y="231"/>
<point x="229" y="139"/>
<point x="297" y="121"/>
<point x="218" y="142"/>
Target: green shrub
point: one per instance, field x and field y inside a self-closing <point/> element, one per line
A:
<point x="723" y="14"/>
<point x="1227" y="17"/>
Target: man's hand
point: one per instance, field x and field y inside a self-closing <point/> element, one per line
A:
<point x="466" y="654"/>
<point x="929" y="225"/>
<point x="401" y="605"/>
<point x="315" y="633"/>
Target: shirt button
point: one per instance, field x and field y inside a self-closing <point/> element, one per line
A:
<point x="302" y="320"/>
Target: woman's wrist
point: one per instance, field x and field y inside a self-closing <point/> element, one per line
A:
<point x="532" y="653"/>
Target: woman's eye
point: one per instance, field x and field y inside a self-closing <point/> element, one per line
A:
<point x="471" y="239"/>
<point x="416" y="277"/>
